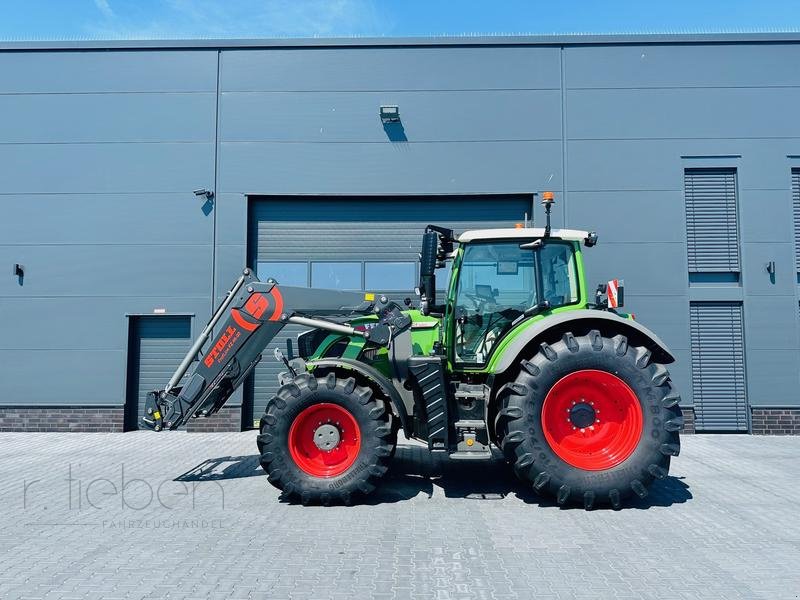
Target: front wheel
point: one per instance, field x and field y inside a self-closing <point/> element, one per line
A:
<point x="325" y="439"/>
<point x="590" y="420"/>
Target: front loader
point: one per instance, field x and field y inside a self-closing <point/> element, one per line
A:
<point x="519" y="361"/>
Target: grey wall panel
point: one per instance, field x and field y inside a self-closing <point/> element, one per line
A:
<point x="99" y="155"/>
<point x="151" y="117"/>
<point x="658" y="164"/>
<point x="401" y="168"/>
<point x="682" y="113"/>
<point x="231" y="218"/>
<point x="766" y="216"/>
<point x="772" y="323"/>
<point x="757" y="281"/>
<point x="690" y="65"/>
<point x="62" y="377"/>
<point x="649" y="269"/>
<point x="185" y="304"/>
<point x="231" y="259"/>
<point x="425" y="116"/>
<point x="105" y="168"/>
<point x="54" y="219"/>
<point x="61" y="323"/>
<point x="773" y="377"/>
<point x="763" y="163"/>
<point x="650" y="216"/>
<point x="596" y="165"/>
<point x="390" y="69"/>
<point x="119" y="71"/>
<point x="114" y="228"/>
<point x="106" y="270"/>
<point x="75" y="323"/>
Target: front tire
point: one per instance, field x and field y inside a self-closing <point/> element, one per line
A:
<point x="325" y="440"/>
<point x="590" y="420"/>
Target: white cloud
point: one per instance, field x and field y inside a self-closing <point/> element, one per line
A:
<point x="245" y="18"/>
<point x="104" y="7"/>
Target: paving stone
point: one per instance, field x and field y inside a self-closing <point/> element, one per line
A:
<point x="176" y="515"/>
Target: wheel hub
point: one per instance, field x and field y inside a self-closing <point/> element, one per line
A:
<point x="582" y="415"/>
<point x="327" y="437"/>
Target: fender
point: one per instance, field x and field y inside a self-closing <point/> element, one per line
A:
<point x="380" y="380"/>
<point x="594" y="319"/>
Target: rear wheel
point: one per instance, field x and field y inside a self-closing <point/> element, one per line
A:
<point x="590" y="420"/>
<point x="325" y="439"/>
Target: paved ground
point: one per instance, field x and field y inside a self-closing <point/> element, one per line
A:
<point x="197" y="519"/>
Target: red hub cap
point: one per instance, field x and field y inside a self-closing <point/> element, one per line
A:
<point x="592" y="420"/>
<point x="324" y="440"/>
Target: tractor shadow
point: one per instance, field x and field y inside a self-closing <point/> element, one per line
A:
<point x="414" y="471"/>
<point x="224" y="467"/>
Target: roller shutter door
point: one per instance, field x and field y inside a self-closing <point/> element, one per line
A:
<point x="720" y="396"/>
<point x="712" y="229"/>
<point x="796" y="208"/>
<point x="365" y="243"/>
<point x="156" y="347"/>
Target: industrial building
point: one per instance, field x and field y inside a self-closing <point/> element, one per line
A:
<point x="139" y="178"/>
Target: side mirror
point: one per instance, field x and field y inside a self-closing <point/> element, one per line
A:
<point x="427" y="270"/>
<point x="430" y="243"/>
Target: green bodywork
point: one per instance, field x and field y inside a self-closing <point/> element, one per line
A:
<point x="427" y="330"/>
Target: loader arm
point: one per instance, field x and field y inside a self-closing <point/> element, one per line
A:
<point x="251" y="315"/>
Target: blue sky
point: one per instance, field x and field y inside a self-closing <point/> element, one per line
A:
<point x="115" y="19"/>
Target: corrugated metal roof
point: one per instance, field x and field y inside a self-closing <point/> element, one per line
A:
<point x="572" y="39"/>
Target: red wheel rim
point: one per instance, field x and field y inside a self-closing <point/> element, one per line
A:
<point x="338" y="440"/>
<point x="592" y="420"/>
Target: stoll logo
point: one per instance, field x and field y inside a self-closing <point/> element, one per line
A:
<point x="230" y="335"/>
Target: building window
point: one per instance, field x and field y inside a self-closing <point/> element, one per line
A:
<point x="389" y="276"/>
<point x="336" y="275"/>
<point x="712" y="228"/>
<point x="285" y="273"/>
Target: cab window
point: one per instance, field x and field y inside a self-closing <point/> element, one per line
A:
<point x="497" y="283"/>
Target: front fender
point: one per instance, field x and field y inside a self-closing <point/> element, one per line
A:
<point x="375" y="377"/>
<point x="582" y="319"/>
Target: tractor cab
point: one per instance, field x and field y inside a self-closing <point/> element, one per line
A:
<point x="503" y="276"/>
<point x="500" y="278"/>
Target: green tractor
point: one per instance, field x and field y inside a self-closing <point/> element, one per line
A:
<point x="518" y="360"/>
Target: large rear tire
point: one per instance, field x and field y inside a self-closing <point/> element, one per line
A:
<point x="325" y="440"/>
<point x="590" y="420"/>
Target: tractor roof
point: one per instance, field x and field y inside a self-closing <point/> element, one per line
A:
<point x="525" y="233"/>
